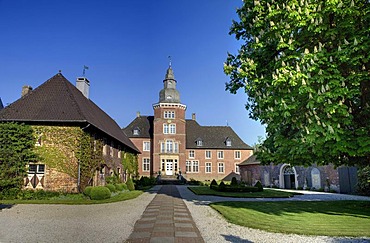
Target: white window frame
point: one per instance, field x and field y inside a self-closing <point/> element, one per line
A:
<point x="169" y="114"/>
<point x="119" y="151"/>
<point x="136" y="131"/>
<point x="237" y="154"/>
<point x="237" y="169"/>
<point x="200" y="143"/>
<point x="146" y="145"/>
<point x="188" y="166"/>
<point x="191" y="154"/>
<point x="37" y="170"/>
<point x="169" y="146"/>
<point x="220" y="154"/>
<point x="228" y="142"/>
<point x="165" y="128"/>
<point x="195" y="166"/>
<point x="172" y="129"/>
<point x="176" y="147"/>
<point x="146" y="164"/>
<point x="208" y="167"/>
<point x="221" y="168"/>
<point x="208" y="152"/>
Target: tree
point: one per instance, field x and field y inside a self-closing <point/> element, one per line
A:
<point x="305" y="68"/>
<point x="130" y="165"/>
<point x="16" y="151"/>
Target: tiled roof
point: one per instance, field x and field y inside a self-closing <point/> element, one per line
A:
<point x="252" y="160"/>
<point x="212" y="137"/>
<point x="230" y="176"/>
<point x="58" y="101"/>
<point x="142" y="123"/>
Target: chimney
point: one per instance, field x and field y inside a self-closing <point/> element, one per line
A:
<point x="26" y="89"/>
<point x="138" y="114"/>
<point x="193" y="117"/>
<point x="83" y="85"/>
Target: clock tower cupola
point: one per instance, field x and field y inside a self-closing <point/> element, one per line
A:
<point x="169" y="93"/>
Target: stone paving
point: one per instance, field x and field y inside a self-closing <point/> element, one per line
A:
<point x="166" y="219"/>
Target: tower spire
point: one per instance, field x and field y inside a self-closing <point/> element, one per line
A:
<point x="170" y="61"/>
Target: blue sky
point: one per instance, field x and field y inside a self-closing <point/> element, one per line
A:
<point x="126" y="45"/>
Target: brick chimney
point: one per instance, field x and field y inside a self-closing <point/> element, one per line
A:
<point x="83" y="85"/>
<point x="193" y="116"/>
<point x="26" y="89"/>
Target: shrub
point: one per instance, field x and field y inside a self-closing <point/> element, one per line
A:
<point x="130" y="184"/>
<point x="113" y="179"/>
<point x="234" y="182"/>
<point x="87" y="191"/>
<point x="222" y="186"/>
<point x="124" y="186"/>
<point x="119" y="187"/>
<point x="111" y="187"/>
<point x="213" y="184"/>
<point x="259" y="186"/>
<point x="100" y="193"/>
<point x="10" y="194"/>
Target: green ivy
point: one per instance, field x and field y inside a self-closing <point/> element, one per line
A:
<point x="16" y="151"/>
<point x="130" y="164"/>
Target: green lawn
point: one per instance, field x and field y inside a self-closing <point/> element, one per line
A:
<point x="331" y="218"/>
<point x="75" y="199"/>
<point x="267" y="193"/>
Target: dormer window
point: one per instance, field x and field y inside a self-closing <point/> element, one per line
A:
<point x="136" y="131"/>
<point x="199" y="142"/>
<point x="228" y="142"/>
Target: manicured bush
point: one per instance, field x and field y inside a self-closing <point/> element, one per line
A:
<point x="234" y="182"/>
<point x="119" y="187"/>
<point x="87" y="191"/>
<point x="130" y="184"/>
<point x="124" y="186"/>
<point x="214" y="184"/>
<point x="259" y="186"/>
<point x="222" y="186"/>
<point x="100" y="193"/>
<point x="111" y="187"/>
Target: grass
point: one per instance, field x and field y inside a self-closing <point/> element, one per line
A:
<point x="330" y="218"/>
<point x="267" y="193"/>
<point x="77" y="199"/>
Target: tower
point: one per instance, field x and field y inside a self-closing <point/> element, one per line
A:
<point x="169" y="129"/>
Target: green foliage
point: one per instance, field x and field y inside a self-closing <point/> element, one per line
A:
<point x="16" y="151"/>
<point x="100" y="193"/>
<point x="222" y="186"/>
<point x="87" y="191"/>
<point x="120" y="187"/>
<point x="194" y="182"/>
<point x="305" y="68"/>
<point x="146" y="181"/>
<point x="234" y="182"/>
<point x="213" y="184"/>
<point x="130" y="184"/>
<point x="363" y="184"/>
<point x="259" y="186"/>
<point x="111" y="187"/>
<point x="130" y="164"/>
<point x="113" y="179"/>
<point x="16" y="193"/>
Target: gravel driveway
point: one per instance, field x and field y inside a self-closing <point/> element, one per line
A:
<point x="114" y="222"/>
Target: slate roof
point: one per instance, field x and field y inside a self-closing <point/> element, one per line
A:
<point x="252" y="160"/>
<point x="144" y="124"/>
<point x="58" y="101"/>
<point x="212" y="137"/>
<point x="230" y="176"/>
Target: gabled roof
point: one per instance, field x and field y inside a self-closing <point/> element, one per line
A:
<point x="142" y="123"/>
<point x="252" y="160"/>
<point x="212" y="137"/>
<point x="58" y="101"/>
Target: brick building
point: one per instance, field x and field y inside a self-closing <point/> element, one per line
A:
<point x="170" y="144"/>
<point x="61" y="116"/>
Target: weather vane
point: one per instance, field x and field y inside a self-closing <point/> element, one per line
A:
<point x="83" y="72"/>
<point x="169" y="57"/>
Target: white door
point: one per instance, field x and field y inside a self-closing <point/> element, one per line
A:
<point x="169" y="166"/>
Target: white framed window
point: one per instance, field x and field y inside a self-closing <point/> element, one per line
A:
<point x="169" y="146"/>
<point x="172" y="129"/>
<point x="208" y="154"/>
<point x="188" y="166"/>
<point x="119" y="151"/>
<point x="176" y="147"/>
<point x="221" y="168"/>
<point x="191" y="154"/>
<point x="208" y="167"/>
<point x="237" y="154"/>
<point x="199" y="143"/>
<point x="146" y="164"/>
<point x="146" y="146"/>
<point x="169" y="114"/>
<point x="195" y="166"/>
<point x="36" y="169"/>
<point x="237" y="168"/>
<point x="105" y="146"/>
<point x="165" y="128"/>
<point x="163" y="147"/>
<point x="220" y="154"/>
<point x="136" y="131"/>
<point x="228" y="142"/>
